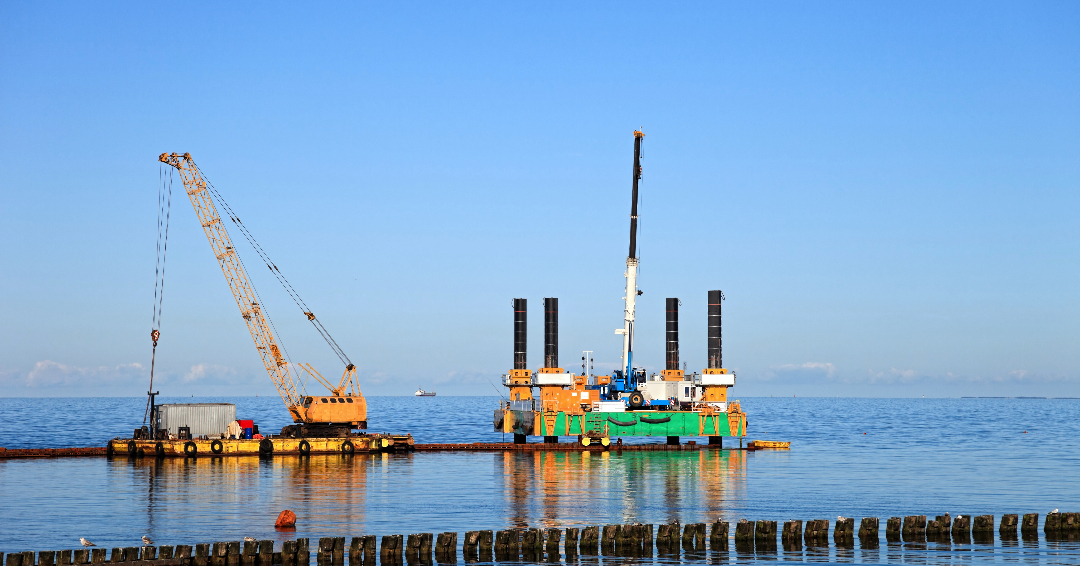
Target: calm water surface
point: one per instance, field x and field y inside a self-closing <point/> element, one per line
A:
<point x="851" y="457"/>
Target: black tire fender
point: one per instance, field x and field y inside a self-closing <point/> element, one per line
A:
<point x="347" y="447"/>
<point x="217" y="447"/>
<point x="132" y="448"/>
<point x="190" y="449"/>
<point x="266" y="447"/>
<point x="109" y="450"/>
<point x="305" y="448"/>
<point x="159" y="450"/>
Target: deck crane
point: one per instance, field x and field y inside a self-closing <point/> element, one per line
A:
<point x="336" y="414"/>
<point x="626" y="379"/>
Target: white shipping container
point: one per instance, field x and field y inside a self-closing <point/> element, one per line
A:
<point x="202" y="418"/>
<point x="681" y="391"/>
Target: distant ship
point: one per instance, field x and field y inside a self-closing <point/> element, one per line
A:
<point x="422" y="393"/>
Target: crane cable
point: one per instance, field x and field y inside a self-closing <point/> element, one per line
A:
<point x="262" y="306"/>
<point x="266" y="315"/>
<point x="277" y="273"/>
<point x="164" y="210"/>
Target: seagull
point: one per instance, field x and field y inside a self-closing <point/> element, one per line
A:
<point x="840" y="518"/>
<point x="249" y="539"/>
<point x="146" y="540"/>
<point x="86" y="542"/>
<point x="1055" y="510"/>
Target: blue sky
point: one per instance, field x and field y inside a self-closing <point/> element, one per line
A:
<point x="886" y="192"/>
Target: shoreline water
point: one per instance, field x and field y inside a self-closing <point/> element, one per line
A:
<point x="851" y="457"/>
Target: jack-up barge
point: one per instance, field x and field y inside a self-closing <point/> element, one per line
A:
<point x="628" y="402"/>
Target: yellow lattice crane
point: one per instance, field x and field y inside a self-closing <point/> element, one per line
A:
<point x="336" y="414"/>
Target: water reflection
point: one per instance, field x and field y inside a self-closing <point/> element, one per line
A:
<point x="558" y="489"/>
<point x="224" y="486"/>
<point x="177" y="501"/>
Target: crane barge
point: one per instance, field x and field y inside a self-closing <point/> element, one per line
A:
<point x="628" y="402"/>
<point x="330" y="422"/>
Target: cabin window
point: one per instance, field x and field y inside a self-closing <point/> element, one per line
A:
<point x="349" y="399"/>
<point x="332" y="400"/>
<point x="307" y="402"/>
<point x="687" y="391"/>
<point x="324" y="399"/>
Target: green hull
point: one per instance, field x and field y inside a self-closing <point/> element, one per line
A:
<point x="630" y="423"/>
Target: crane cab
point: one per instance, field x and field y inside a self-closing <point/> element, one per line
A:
<point x="338" y="409"/>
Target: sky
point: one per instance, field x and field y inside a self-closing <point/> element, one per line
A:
<point x="886" y="192"/>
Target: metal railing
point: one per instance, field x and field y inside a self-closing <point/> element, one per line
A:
<point x="524" y="405"/>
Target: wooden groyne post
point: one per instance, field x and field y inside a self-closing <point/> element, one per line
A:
<point x="718" y="536"/>
<point x="1008" y="527"/>
<point x="631" y="540"/>
<point x="816" y="533"/>
<point x="892" y="529"/>
<point x="590" y="541"/>
<point x="791" y="536"/>
<point x="1029" y="528"/>
<point x="667" y="538"/>
<point x="868" y="531"/>
<point x="914" y="529"/>
<point x="939" y="528"/>
<point x="389" y="552"/>
<point x="571" y="545"/>
<point x="744" y="536"/>
<point x="844" y="532"/>
<point x="961" y="528"/>
<point x="982" y="528"/>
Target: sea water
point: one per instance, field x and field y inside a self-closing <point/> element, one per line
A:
<point x="849" y="457"/>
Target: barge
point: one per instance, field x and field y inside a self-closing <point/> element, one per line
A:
<point x="597" y="408"/>
<point x="629" y="402"/>
<point x="335" y="421"/>
<point x="193" y="448"/>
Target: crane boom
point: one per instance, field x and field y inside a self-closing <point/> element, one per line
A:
<point x="632" y="292"/>
<point x="238" y="281"/>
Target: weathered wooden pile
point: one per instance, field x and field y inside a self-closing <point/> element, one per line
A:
<point x="632" y="540"/>
<point x="246" y="553"/>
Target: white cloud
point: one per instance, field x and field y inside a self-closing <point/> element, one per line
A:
<point x="207" y="371"/>
<point x="48" y="373"/>
<point x="376" y="377"/>
<point x="814" y="367"/>
<point x="894" y="375"/>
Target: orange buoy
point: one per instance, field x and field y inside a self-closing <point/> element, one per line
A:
<point x="286" y="520"/>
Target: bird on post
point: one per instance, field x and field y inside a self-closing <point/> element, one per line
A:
<point x="249" y="539"/>
<point x="85" y="542"/>
<point x="146" y="540"/>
